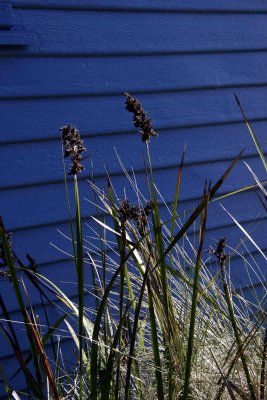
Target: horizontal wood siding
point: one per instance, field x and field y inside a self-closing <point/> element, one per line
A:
<point x="167" y="5"/>
<point x="184" y="60"/>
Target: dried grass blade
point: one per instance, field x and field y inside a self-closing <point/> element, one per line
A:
<point x="43" y="356"/>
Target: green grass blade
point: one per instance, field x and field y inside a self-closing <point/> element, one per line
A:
<point x="190" y="344"/>
<point x="35" y="388"/>
<point x="97" y="325"/>
<point x="253" y="135"/>
<point x="134" y="333"/>
<point x="15" y="282"/>
<point x="244" y="189"/>
<point x="176" y="195"/>
<point x="80" y="273"/>
<point x="199" y="209"/>
<point x="105" y="385"/>
<point x="155" y="344"/>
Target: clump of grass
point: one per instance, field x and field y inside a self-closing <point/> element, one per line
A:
<point x="163" y="325"/>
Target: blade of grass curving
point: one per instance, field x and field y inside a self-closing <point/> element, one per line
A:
<point x="253" y="135"/>
<point x="244" y="189"/>
<point x="75" y="338"/>
<point x="190" y="344"/>
<point x="46" y="365"/>
<point x="245" y="232"/>
<point x="45" y="339"/>
<point x="199" y="209"/>
<point x="49" y="335"/>
<point x="36" y="390"/>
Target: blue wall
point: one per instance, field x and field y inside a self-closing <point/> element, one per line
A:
<point x="184" y="60"/>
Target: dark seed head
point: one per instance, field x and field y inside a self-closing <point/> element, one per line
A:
<point x="73" y="147"/>
<point x="140" y="118"/>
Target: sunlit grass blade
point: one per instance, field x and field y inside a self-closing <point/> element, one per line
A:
<point x="199" y="209"/>
<point x="241" y="190"/>
<point x="225" y="380"/>
<point x="263" y="366"/>
<point x="245" y="232"/>
<point x="253" y="135"/>
<point x="155" y="344"/>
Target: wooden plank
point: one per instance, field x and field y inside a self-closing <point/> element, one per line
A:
<point x="92" y="32"/>
<point x="19" y="161"/>
<point x="46" y="204"/>
<point x="168" y="5"/>
<point x="36" y="119"/>
<point x="5" y="15"/>
<point x="17" y="37"/>
<point x="85" y="76"/>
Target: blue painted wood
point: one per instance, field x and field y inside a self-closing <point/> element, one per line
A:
<point x="171" y="5"/>
<point x="5" y="15"/>
<point x="86" y="76"/>
<point x="17" y="37"/>
<point x="41" y="118"/>
<point x="133" y="33"/>
<point x="224" y="143"/>
<point x="184" y="64"/>
<point x="33" y="206"/>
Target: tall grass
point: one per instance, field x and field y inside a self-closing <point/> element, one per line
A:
<point x="163" y="325"/>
